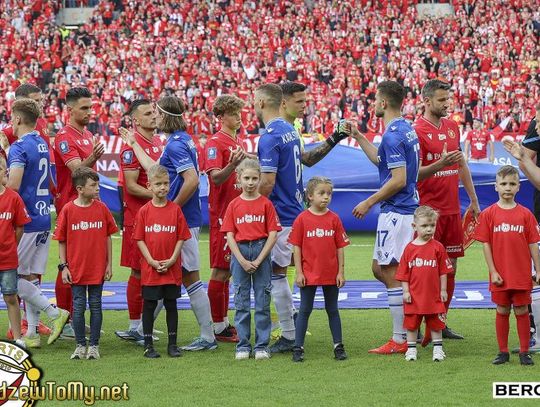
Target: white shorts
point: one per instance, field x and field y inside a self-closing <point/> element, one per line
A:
<point x="394" y="232"/>
<point x="191" y="260"/>
<point x="33" y="252"/>
<point x="282" y="250"/>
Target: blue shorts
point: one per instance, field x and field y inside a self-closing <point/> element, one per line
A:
<point x="8" y="281"/>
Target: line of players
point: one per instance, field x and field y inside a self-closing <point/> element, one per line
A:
<point x="435" y="159"/>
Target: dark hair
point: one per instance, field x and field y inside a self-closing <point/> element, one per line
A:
<point x="83" y="174"/>
<point x="433" y="85"/>
<point x="74" y="94"/>
<point x="27" y="109"/>
<point x="227" y="104"/>
<point x="392" y="92"/>
<point x="507" y="170"/>
<point x="26" y="89"/>
<point x="289" y="88"/>
<point x="273" y="93"/>
<point x="134" y="105"/>
<point x="171" y="108"/>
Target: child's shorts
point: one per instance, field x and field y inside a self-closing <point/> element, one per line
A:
<point x="8" y="281"/>
<point x="511" y="297"/>
<point x="435" y="322"/>
<point x="161" y="292"/>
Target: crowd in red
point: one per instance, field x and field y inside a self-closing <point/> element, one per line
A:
<point x="489" y="51"/>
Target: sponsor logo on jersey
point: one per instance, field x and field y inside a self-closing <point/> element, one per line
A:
<point x="505" y="227"/>
<point x="84" y="225"/>
<point x="127" y="157"/>
<point x="249" y="218"/>
<point x="320" y="233"/>
<point x="442" y="136"/>
<point x="157" y="228"/>
<point x="419" y="262"/>
<point x="446" y="173"/>
<point x="6" y="215"/>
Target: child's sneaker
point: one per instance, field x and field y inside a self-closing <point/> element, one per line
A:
<point x="282" y="345"/>
<point x="410" y="355"/>
<point x="93" y="352"/>
<point x="502" y="357"/>
<point x="173" y="351"/>
<point x="32" y="341"/>
<point x="298" y="354"/>
<point x="57" y="325"/>
<point x="79" y="353"/>
<point x="227" y="335"/>
<point x="241" y="355"/>
<point x="151" y="353"/>
<point x="262" y="355"/>
<point x="438" y="354"/>
<point x="68" y="332"/>
<point x="525" y="359"/>
<point x="199" y="344"/>
<point x="339" y="352"/>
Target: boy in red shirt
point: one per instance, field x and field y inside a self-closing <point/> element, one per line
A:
<point x="84" y="221"/>
<point x="510" y="235"/>
<point x="423" y="270"/>
<point x="251" y="224"/>
<point x="318" y="239"/>
<point x="13" y="217"/>
<point x="160" y="232"/>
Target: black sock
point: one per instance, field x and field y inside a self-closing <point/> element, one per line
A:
<point x="149" y="307"/>
<point x="172" y="320"/>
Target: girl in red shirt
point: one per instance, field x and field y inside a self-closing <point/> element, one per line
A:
<point x="318" y="238"/>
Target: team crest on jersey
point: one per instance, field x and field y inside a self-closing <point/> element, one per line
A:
<point x="451" y="134"/>
<point x="212" y="153"/>
<point x="442" y="137"/>
<point x="127" y="157"/>
<point x="64" y="147"/>
<point x="429" y="156"/>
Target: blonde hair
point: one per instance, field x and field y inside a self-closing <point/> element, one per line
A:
<point x="248" y="164"/>
<point x="172" y="109"/>
<point x="27" y="109"/>
<point x="507" y="170"/>
<point x="3" y="163"/>
<point x="425" y="211"/>
<point x="314" y="182"/>
<point x="157" y="170"/>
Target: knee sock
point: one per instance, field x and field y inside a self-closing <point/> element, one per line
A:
<point x="215" y="296"/>
<point x="226" y="295"/>
<point x="201" y="308"/>
<point x="535" y="308"/>
<point x="502" y="328"/>
<point x="149" y="307"/>
<point x="64" y="298"/>
<point x="450" y="286"/>
<point x="281" y="292"/>
<point x="395" y="302"/>
<point x="32" y="295"/>
<point x="32" y="313"/>
<point x="134" y="301"/>
<point x="172" y="320"/>
<point x="524" y="331"/>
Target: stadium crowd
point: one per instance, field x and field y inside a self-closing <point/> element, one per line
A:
<point x="199" y="50"/>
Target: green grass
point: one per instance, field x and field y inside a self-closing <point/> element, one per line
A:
<point x="215" y="378"/>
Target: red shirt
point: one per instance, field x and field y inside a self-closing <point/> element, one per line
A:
<point x="160" y="228"/>
<point x="12" y="214"/>
<point x="441" y="190"/>
<point x="85" y="230"/>
<point x="218" y="153"/>
<point x="250" y="220"/>
<point x="69" y="144"/>
<point x="422" y="266"/>
<point x="479" y="141"/>
<point x="319" y="237"/>
<point x="509" y="233"/>
<point x="129" y="162"/>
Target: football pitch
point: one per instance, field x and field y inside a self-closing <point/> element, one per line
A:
<point x="214" y="378"/>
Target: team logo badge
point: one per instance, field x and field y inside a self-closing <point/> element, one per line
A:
<point x="157" y="228"/>
<point x="17" y="372"/>
<point x="249" y="218"/>
<point x="430" y="136"/>
<point x="319" y="232"/>
<point x="212" y="153"/>
<point x="227" y="258"/>
<point x="505" y="227"/>
<point x="442" y="137"/>
<point x="127" y="157"/>
<point x="429" y="156"/>
<point x="64" y="147"/>
<point x="84" y="225"/>
<point x="451" y="134"/>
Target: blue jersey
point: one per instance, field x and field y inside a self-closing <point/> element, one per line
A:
<point x="400" y="148"/>
<point x="31" y="153"/>
<point x="179" y="155"/>
<point x="279" y="153"/>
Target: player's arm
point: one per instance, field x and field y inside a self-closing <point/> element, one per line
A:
<point x="267" y="248"/>
<point x="108" y="268"/>
<point x="447" y="158"/>
<point x="268" y="180"/>
<point x="19" y="230"/>
<point x="495" y="276"/>
<point x="340" y="279"/>
<point x="367" y="146"/>
<point x="165" y="264"/>
<point x="316" y="154"/>
<point x="15" y="177"/>
<point x="4" y="143"/>
<point x="97" y="151"/>
<point x="297" y="255"/>
<point x="397" y="181"/>
<point x="132" y="187"/>
<point x="444" y="294"/>
<point x="147" y="256"/>
<point x="191" y="182"/>
<point x="466" y="149"/>
<point x="235" y="250"/>
<point x="219" y="176"/>
<point x="535" y="255"/>
<point x="491" y="146"/>
<point x="66" y="274"/>
<point x="466" y="180"/>
<point x="406" y="293"/>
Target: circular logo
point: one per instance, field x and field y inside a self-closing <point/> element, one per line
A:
<point x="157" y="228"/>
<point x="451" y="134"/>
<point x="227" y="258"/>
<point x="319" y="233"/>
<point x="84" y="225"/>
<point x="17" y="371"/>
<point x="505" y="227"/>
<point x="249" y="218"/>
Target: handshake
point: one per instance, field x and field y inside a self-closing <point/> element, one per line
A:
<point x="342" y="130"/>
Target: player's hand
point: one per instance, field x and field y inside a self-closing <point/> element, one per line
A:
<point x="444" y="295"/>
<point x="237" y="156"/>
<point x="127" y="136"/>
<point x="256" y="263"/>
<point x="450" y="158"/>
<point x="355" y="133"/>
<point x="4" y="143"/>
<point x="108" y="273"/>
<point x="407" y="297"/>
<point x="155" y="265"/>
<point x="167" y="264"/>
<point x="361" y="209"/>
<point x="342" y="130"/>
<point x="496" y="278"/>
<point x="300" y="280"/>
<point x="66" y="276"/>
<point x="247" y="266"/>
<point x="340" y="279"/>
<point x="515" y="149"/>
<point x="474" y="207"/>
<point x="98" y="148"/>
